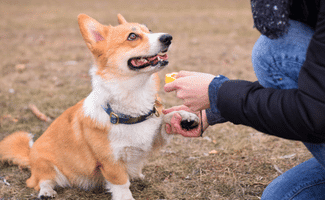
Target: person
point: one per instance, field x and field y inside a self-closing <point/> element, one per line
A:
<point x="287" y="101"/>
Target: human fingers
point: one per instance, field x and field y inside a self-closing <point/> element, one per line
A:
<point x="185" y="73"/>
<point x="175" y="108"/>
<point x="168" y="129"/>
<point x="172" y="86"/>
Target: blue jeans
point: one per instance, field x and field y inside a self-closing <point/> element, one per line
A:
<point x="277" y="64"/>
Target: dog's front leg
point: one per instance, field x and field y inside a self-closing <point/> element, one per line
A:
<point x="117" y="180"/>
<point x="162" y="137"/>
<point x="120" y="192"/>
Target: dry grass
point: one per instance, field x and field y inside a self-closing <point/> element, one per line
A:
<point x="209" y="36"/>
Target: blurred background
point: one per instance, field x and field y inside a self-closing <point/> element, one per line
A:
<point x="44" y="61"/>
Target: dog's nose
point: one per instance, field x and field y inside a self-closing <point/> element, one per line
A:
<point x="166" y="39"/>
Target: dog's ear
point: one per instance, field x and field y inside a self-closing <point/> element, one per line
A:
<point x="91" y="30"/>
<point x="121" y="19"/>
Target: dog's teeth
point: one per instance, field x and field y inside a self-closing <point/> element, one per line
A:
<point x="162" y="54"/>
<point x="143" y="60"/>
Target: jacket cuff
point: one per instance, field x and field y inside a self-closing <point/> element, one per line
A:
<point x="213" y="113"/>
<point x="214" y="118"/>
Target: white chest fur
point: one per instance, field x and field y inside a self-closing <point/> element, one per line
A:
<point x="135" y="96"/>
<point x="138" y="137"/>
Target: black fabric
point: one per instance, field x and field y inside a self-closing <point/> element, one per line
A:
<point x="290" y="114"/>
<point x="297" y="114"/>
<point x="305" y="11"/>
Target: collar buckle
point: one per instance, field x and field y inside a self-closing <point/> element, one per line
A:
<point x="114" y="118"/>
<point x="155" y="111"/>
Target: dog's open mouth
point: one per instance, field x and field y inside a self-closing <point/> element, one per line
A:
<point x="142" y="62"/>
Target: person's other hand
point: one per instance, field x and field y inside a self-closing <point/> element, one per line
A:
<point x="193" y="88"/>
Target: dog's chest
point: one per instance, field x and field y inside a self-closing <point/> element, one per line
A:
<point x="136" y="137"/>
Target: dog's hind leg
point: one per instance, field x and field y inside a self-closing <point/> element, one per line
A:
<point x="43" y="178"/>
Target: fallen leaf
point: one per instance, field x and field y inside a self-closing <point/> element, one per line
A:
<point x="287" y="156"/>
<point x="20" y="68"/>
<point x="213" y="152"/>
<point x="38" y="113"/>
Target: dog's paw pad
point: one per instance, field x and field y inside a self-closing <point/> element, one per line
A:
<point x="188" y="125"/>
<point x="189" y="120"/>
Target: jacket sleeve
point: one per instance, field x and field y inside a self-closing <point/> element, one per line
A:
<point x="297" y="114"/>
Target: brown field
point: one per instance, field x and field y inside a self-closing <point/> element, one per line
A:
<point x="209" y="36"/>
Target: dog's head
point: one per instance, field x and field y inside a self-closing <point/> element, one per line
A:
<point x="126" y="49"/>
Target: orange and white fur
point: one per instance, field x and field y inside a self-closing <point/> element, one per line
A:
<point x="81" y="147"/>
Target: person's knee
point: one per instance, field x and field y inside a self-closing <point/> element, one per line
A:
<point x="261" y="49"/>
<point x="265" y="51"/>
<point x="304" y="180"/>
<point x="292" y="46"/>
<point x="263" y="60"/>
<point x="272" y="191"/>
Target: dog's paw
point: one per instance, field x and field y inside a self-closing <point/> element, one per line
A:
<point x="189" y="120"/>
<point x="120" y="192"/>
<point x="47" y="191"/>
<point x="189" y="124"/>
<point x="139" y="176"/>
<point x="49" y="194"/>
<point x="142" y="177"/>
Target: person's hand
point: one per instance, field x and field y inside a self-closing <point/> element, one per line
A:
<point x="175" y="124"/>
<point x="193" y="88"/>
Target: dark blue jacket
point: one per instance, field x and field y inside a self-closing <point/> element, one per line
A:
<point x="297" y="114"/>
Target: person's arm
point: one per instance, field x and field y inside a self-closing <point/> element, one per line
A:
<point x="297" y="114"/>
<point x="290" y="114"/>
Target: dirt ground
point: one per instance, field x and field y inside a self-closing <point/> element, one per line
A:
<point x="44" y="61"/>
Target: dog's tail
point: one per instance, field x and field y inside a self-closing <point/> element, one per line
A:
<point x="15" y="148"/>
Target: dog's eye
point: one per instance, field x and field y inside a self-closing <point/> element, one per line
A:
<point x="132" y="37"/>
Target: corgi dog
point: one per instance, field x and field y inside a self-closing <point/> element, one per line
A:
<point x="105" y="138"/>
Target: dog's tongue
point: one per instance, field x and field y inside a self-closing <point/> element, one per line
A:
<point x="152" y="60"/>
<point x="142" y="61"/>
<point x="139" y="62"/>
